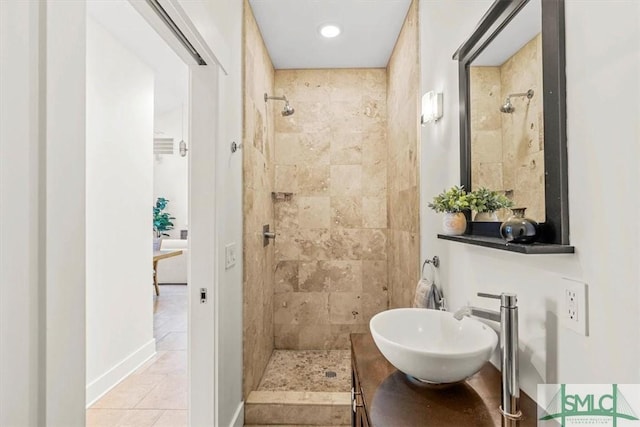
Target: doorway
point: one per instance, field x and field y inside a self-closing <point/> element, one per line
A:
<point x="139" y="104"/>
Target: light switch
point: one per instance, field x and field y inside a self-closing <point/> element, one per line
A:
<point x="229" y="256"/>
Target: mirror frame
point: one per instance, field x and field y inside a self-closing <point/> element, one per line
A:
<point x="555" y="229"/>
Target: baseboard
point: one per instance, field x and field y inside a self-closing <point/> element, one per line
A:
<point x="113" y="376"/>
<point x="238" y="417"/>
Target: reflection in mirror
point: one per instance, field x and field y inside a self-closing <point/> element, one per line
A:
<point x="517" y="23"/>
<point x="506" y="114"/>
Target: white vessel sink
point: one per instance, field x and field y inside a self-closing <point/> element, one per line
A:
<point x="431" y="345"/>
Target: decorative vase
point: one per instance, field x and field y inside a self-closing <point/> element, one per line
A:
<point x="486" y="216"/>
<point x="454" y="223"/>
<point x="157" y="243"/>
<point x="518" y="229"/>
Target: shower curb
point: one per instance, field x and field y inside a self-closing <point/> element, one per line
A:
<point x="298" y="408"/>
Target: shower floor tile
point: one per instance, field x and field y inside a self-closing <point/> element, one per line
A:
<point x="308" y="370"/>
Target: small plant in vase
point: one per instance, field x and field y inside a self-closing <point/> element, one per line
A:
<point x="486" y="202"/>
<point x="452" y="202"/>
<point x="161" y="222"/>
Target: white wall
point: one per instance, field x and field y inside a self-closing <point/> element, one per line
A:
<point x="603" y="84"/>
<point x="21" y="231"/>
<point x="119" y="199"/>
<point x="171" y="171"/>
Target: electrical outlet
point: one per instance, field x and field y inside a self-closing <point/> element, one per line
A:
<point x="571" y="305"/>
<point x="574" y="307"/>
<point x="229" y="256"/>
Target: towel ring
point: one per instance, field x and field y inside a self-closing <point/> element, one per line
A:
<point x="434" y="262"/>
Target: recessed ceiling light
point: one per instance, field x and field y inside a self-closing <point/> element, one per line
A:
<point x="329" y="31"/>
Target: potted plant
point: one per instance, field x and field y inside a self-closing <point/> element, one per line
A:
<point x="452" y="203"/>
<point x="161" y="222"/>
<point x="486" y="202"/>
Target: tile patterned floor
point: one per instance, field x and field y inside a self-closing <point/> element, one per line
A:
<point x="292" y="370"/>
<point x="156" y="393"/>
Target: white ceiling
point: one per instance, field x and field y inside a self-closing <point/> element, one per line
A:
<point x="370" y="29"/>
<point x="520" y="30"/>
<point x="130" y="28"/>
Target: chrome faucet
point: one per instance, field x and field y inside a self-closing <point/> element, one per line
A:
<point x="508" y="318"/>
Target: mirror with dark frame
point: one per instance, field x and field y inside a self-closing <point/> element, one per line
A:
<point x="513" y="114"/>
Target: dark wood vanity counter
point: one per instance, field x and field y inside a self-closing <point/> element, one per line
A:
<point x="389" y="398"/>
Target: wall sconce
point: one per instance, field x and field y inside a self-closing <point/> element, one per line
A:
<point x="431" y="107"/>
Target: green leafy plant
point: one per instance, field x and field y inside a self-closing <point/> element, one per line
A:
<point x="161" y="220"/>
<point x="452" y="200"/>
<point x="485" y="200"/>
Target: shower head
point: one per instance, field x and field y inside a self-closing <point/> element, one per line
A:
<point x="508" y="107"/>
<point x="287" y="110"/>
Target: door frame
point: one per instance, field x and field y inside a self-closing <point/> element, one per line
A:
<point x="64" y="24"/>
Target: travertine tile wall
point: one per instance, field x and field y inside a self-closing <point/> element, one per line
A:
<point x="486" y="128"/>
<point x="507" y="150"/>
<point x="331" y="245"/>
<point x="523" y="131"/>
<point x="258" y="175"/>
<point x="403" y="248"/>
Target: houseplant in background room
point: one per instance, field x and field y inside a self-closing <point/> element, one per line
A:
<point x="486" y="202"/>
<point x="452" y="203"/>
<point x="161" y="222"/>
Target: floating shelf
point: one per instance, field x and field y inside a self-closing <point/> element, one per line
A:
<point x="498" y="243"/>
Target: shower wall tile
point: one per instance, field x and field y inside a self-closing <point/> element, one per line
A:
<point x="312" y="337"/>
<point x="297" y="148"/>
<point x="314" y="212"/>
<point x="403" y="204"/>
<point x="345" y="276"/>
<point x="313" y="180"/>
<point x="346" y="148"/>
<point x="374" y="212"/>
<point x="486" y="145"/>
<point x="486" y="128"/>
<point x="314" y="148"/>
<point x="374" y="244"/>
<point x="314" y="276"/>
<point x="347" y="179"/>
<point x="286" y="179"/>
<point x="346" y="244"/>
<point x="286" y="336"/>
<point x="374" y="149"/>
<point x="258" y="176"/>
<point x="314" y="245"/>
<point x="287" y="246"/>
<point x="345" y="307"/>
<point x="373" y="303"/>
<point x="332" y="154"/>
<point x="286" y="276"/>
<point x="302" y="308"/>
<point x="287" y="148"/>
<point x="346" y="212"/>
<point x="374" y="277"/>
<point x="374" y="180"/>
